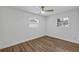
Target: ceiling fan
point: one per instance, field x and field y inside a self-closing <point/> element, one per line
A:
<point x="43" y="9"/>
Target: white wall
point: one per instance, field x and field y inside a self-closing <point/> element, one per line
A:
<point x="70" y="33"/>
<point x="14" y="26"/>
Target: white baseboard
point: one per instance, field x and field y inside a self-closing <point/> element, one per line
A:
<point x="64" y="38"/>
<point x="15" y="43"/>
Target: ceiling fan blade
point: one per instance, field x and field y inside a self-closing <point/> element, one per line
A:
<point x="49" y="10"/>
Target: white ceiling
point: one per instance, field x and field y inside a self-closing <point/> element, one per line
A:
<point x="37" y="9"/>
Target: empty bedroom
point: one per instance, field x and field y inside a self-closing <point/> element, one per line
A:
<point x="39" y="29"/>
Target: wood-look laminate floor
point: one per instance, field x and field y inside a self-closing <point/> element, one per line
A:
<point x="44" y="44"/>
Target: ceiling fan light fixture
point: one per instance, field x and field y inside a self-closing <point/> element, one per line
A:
<point x="42" y="12"/>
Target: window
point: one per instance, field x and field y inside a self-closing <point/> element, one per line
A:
<point x="33" y="23"/>
<point x="62" y="22"/>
